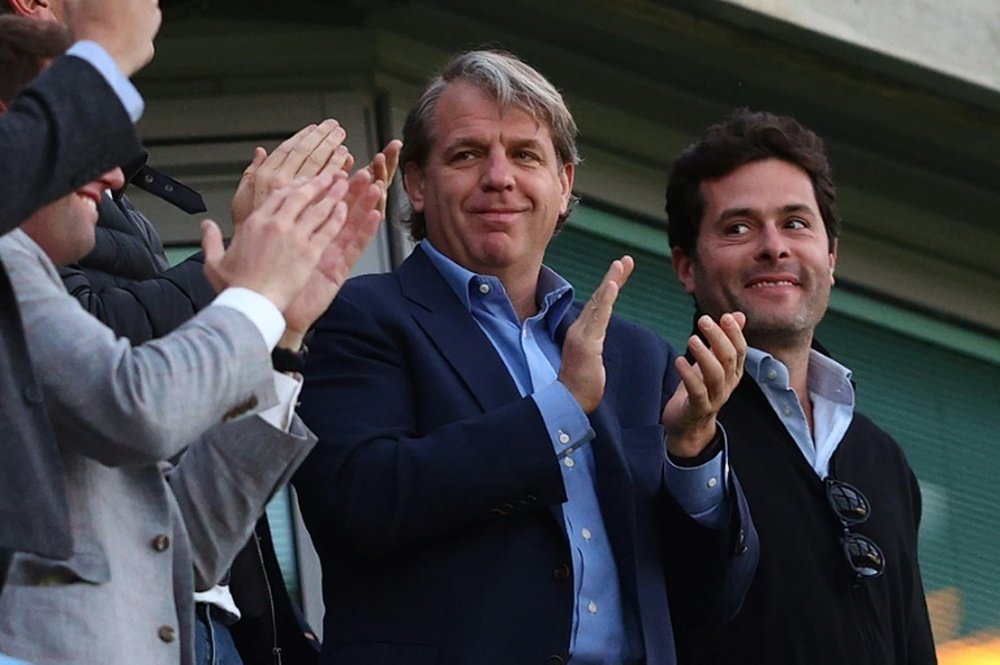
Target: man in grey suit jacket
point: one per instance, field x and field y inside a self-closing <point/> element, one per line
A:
<point x="118" y="410"/>
<point x="68" y="126"/>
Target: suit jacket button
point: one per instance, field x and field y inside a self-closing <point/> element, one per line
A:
<point x="33" y="395"/>
<point x="555" y="660"/>
<point x="562" y="572"/>
<point x="161" y="542"/>
<point x="167" y="633"/>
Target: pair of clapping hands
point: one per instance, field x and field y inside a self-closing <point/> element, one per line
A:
<point x="689" y="416"/>
<point x="300" y="222"/>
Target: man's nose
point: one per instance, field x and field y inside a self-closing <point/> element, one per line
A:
<point x="772" y="243"/>
<point x="113" y="179"/>
<point x="497" y="171"/>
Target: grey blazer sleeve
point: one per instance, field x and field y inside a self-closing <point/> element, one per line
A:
<point x="223" y="482"/>
<point x="65" y="129"/>
<point x="121" y="404"/>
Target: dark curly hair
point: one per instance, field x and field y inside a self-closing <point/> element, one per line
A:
<point x="745" y="136"/>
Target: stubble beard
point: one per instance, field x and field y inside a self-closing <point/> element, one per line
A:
<point x="772" y="331"/>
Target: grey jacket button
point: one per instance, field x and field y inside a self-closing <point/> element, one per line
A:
<point x="161" y="542"/>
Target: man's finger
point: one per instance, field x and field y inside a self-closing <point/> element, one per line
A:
<point x="601" y="303"/>
<point x="292" y="199"/>
<point x="711" y="369"/>
<point x="259" y="155"/>
<point x="723" y="347"/>
<point x="733" y="324"/>
<point x="332" y="224"/>
<point x="391" y="152"/>
<point x="281" y="153"/>
<point x="323" y="148"/>
<point x="595" y="320"/>
<point x="363" y="219"/>
<point x="320" y="212"/>
<point x="693" y="385"/>
<point x="211" y="243"/>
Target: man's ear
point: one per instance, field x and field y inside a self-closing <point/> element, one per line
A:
<point x="30" y="8"/>
<point x="413" y="182"/>
<point x="684" y="267"/>
<point x="566" y="177"/>
<point x="834" y="246"/>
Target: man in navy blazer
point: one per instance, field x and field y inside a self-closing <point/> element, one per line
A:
<point x="492" y="482"/>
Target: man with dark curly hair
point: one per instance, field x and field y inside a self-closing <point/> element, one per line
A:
<point x="753" y="227"/>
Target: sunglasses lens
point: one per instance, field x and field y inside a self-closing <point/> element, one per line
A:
<point x="847" y="501"/>
<point x="863" y="555"/>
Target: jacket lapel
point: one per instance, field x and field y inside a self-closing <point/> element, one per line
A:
<point x="456" y="335"/>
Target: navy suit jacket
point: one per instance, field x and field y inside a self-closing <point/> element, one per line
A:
<point x="434" y="494"/>
<point x="62" y="131"/>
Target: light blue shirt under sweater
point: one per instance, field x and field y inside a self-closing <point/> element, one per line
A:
<point x="832" y="395"/>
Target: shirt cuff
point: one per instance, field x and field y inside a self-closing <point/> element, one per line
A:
<point x="565" y="421"/>
<point x="701" y="490"/>
<point x="287" y="388"/>
<point x="262" y="312"/>
<point x="102" y="61"/>
<point x="221" y="597"/>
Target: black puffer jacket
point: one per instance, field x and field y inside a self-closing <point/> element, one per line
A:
<point x="126" y="281"/>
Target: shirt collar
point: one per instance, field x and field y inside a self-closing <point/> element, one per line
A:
<point x="827" y="377"/>
<point x="554" y="294"/>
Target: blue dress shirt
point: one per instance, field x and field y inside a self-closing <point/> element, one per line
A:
<point x="102" y="61"/>
<point x="532" y="356"/>
<point x="832" y="395"/>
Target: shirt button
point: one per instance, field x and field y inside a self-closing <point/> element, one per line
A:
<point x="161" y="542"/>
<point x="563" y="437"/>
<point x="555" y="660"/>
<point x="484" y="288"/>
<point x="167" y="633"/>
<point x="585" y="532"/>
<point x="592" y="607"/>
<point x="568" y="461"/>
<point x="772" y="375"/>
<point x="562" y="572"/>
<point x="712" y="482"/>
<point x="787" y="410"/>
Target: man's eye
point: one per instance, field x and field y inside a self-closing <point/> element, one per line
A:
<point x="797" y="224"/>
<point x="737" y="229"/>
<point x="525" y="156"/>
<point x="463" y="156"/>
